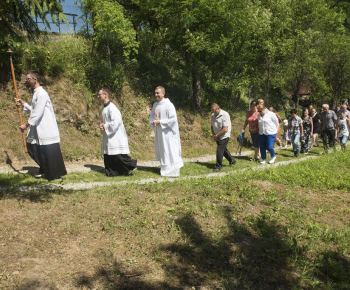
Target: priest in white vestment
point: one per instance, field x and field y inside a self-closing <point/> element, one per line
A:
<point x="43" y="138"/>
<point x="115" y="146"/>
<point x="163" y="121"/>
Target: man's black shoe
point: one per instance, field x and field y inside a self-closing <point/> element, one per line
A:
<point x="232" y="162"/>
<point x="217" y="169"/>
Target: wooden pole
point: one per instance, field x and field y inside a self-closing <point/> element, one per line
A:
<point x="19" y="108"/>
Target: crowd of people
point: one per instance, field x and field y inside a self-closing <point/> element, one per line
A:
<point x="264" y="127"/>
<point x="300" y="132"/>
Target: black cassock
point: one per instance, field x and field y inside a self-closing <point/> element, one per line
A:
<point x="49" y="158"/>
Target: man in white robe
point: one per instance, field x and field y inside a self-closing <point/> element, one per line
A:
<point x="43" y="137"/>
<point x="115" y="146"/>
<point x="163" y="121"/>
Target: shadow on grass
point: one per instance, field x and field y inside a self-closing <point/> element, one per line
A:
<point x="34" y="284"/>
<point x="246" y="258"/>
<point x="96" y="168"/>
<point x="155" y="170"/>
<point x="12" y="180"/>
<point x="118" y="276"/>
<point x="206" y="164"/>
<point x="333" y="269"/>
<point x="32" y="170"/>
<point x="43" y="194"/>
<point x="285" y="155"/>
<point x="241" y="157"/>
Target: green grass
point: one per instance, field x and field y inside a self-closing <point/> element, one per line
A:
<point x="278" y="228"/>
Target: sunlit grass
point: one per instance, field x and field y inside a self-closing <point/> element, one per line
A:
<point x="278" y="228"/>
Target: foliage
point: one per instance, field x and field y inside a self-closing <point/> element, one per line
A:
<point x="17" y="16"/>
<point x="208" y="51"/>
<point x="216" y="51"/>
<point x="114" y="42"/>
<point x="65" y="56"/>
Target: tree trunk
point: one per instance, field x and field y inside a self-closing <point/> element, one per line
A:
<point x="197" y="90"/>
<point x="286" y="108"/>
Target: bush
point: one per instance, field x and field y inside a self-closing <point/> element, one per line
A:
<point x="62" y="55"/>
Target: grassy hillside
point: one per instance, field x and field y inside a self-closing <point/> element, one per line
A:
<point x="78" y="115"/>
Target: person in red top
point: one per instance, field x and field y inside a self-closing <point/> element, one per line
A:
<point x="252" y="121"/>
<point x="272" y="109"/>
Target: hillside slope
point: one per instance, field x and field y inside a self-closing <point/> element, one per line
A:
<point x="78" y="115"/>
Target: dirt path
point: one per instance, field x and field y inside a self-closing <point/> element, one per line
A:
<point x="87" y="168"/>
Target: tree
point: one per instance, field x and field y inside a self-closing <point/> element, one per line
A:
<point x="208" y="51"/>
<point x="114" y="42"/>
<point x="290" y="52"/>
<point x="17" y="16"/>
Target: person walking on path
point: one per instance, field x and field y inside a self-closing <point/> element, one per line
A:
<point x="252" y="121"/>
<point x="344" y="109"/>
<point x="343" y="125"/>
<point x="316" y="127"/>
<point x="115" y="146"/>
<point x="221" y="131"/>
<point x="43" y="138"/>
<point x="329" y="127"/>
<point x="268" y="126"/>
<point x="296" y="130"/>
<point x="286" y="135"/>
<point x="163" y="121"/>
<point x="272" y="109"/>
<point x="308" y="131"/>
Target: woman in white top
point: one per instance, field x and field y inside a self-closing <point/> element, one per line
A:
<point x="343" y="125"/>
<point x="268" y="126"/>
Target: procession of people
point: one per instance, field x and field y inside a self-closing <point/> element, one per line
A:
<point x="264" y="127"/>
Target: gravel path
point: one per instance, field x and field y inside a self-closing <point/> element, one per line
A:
<point x="87" y="168"/>
<point x="32" y="167"/>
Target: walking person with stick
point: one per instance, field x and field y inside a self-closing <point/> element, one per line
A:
<point x="43" y="137"/>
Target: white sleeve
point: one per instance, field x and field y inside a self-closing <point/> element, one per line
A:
<point x="275" y="120"/>
<point x="114" y="123"/>
<point x="171" y="120"/>
<point x="152" y="118"/>
<point x="39" y="110"/>
<point x="27" y="108"/>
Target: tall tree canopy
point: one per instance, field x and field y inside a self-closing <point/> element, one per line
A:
<point x="208" y="51"/>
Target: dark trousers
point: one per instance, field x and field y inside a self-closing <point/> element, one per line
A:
<point x="34" y="153"/>
<point x="119" y="164"/>
<point x="222" y="151"/>
<point x="330" y="135"/>
<point x="49" y="158"/>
